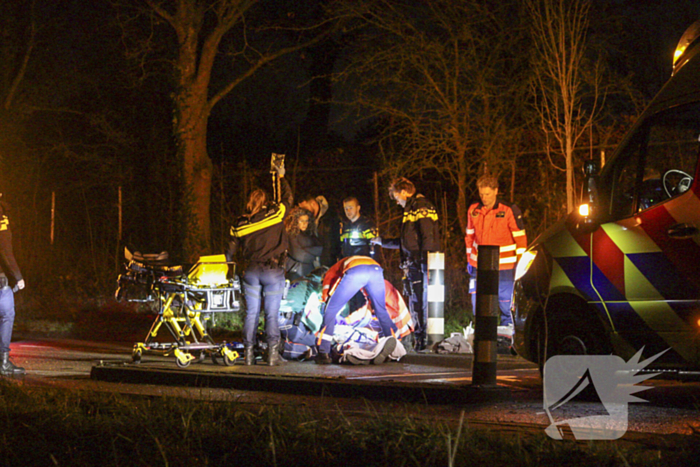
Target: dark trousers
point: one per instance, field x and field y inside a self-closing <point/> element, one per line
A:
<point x="415" y="284"/>
<point x="7" y="317"/>
<point x="366" y="276"/>
<point x="260" y="281"/>
<point x="505" y="295"/>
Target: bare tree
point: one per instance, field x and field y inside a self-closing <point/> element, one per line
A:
<point x="567" y="87"/>
<point x="436" y="77"/>
<point x="201" y="27"/>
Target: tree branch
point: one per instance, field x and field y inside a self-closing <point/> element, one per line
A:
<point x="262" y="61"/>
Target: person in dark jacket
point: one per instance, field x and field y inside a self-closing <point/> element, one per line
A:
<point x="326" y="227"/>
<point x="10" y="281"/>
<point x="419" y="235"/>
<point x="260" y="239"/>
<point x="356" y="230"/>
<point x="304" y="246"/>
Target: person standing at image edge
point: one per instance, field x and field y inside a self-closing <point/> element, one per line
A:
<point x="10" y="281"/>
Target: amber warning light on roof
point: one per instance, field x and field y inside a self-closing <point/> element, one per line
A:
<point x="689" y="38"/>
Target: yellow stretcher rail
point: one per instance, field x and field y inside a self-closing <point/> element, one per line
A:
<point x="210" y="286"/>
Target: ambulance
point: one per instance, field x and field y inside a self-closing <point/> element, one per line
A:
<point x="623" y="272"/>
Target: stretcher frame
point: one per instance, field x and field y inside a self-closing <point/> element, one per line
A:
<point x="181" y="299"/>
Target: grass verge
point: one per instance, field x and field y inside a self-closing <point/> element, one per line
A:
<point x="45" y="426"/>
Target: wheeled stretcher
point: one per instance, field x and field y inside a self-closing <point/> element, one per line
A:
<point x="209" y="286"/>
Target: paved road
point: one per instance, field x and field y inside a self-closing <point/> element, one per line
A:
<point x="673" y="406"/>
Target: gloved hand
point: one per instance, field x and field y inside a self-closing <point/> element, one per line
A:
<point x="18" y="286"/>
<point x="375" y="241"/>
<point x="471" y="269"/>
<point x="280" y="171"/>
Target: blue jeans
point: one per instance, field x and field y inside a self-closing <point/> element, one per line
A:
<point x="505" y="294"/>
<point x="7" y="317"/>
<point x="366" y="276"/>
<point x="258" y="282"/>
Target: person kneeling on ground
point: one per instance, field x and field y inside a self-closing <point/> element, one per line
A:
<point x="342" y="282"/>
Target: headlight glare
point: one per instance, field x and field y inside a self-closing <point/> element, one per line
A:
<point x="524" y="264"/>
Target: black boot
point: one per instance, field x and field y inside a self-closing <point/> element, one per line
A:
<point x="249" y="355"/>
<point x="7" y="368"/>
<point x="273" y="356"/>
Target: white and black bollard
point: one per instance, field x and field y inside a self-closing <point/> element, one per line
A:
<point x="436" y="297"/>
<point x="487" y="311"/>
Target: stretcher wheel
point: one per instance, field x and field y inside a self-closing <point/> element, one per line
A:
<point x="136" y="356"/>
<point x="182" y="364"/>
<point x="229" y="357"/>
<point x="228" y="361"/>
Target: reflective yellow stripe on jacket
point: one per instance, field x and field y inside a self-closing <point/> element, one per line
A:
<point x="418" y="214"/>
<point x="248" y="229"/>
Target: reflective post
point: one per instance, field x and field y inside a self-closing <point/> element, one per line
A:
<point x="487" y="311"/>
<point x="436" y="297"/>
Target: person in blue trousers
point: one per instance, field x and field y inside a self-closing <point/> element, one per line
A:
<point x="342" y="281"/>
<point x="10" y="281"/>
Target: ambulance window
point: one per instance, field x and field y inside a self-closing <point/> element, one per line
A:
<point x="625" y="178"/>
<point x="660" y="163"/>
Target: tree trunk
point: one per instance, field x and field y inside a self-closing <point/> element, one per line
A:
<point x="197" y="172"/>
<point x="192" y="116"/>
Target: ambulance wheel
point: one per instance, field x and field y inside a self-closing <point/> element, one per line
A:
<point x="575" y="332"/>
<point x="581" y="339"/>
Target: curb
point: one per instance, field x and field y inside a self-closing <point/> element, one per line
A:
<point x="377" y="390"/>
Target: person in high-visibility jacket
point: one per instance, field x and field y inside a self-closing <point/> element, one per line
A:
<point x="343" y="280"/>
<point x="259" y="237"/>
<point x="356" y="230"/>
<point x="495" y="222"/>
<point x="398" y="311"/>
<point x="420" y="234"/>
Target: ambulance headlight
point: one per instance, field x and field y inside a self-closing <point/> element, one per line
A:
<point x="524" y="264"/>
<point x="584" y="210"/>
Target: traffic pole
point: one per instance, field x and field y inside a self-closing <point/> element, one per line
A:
<point x="436" y="297"/>
<point x="487" y="311"/>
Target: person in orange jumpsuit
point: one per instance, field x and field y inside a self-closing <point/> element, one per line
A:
<point x="495" y="222"/>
